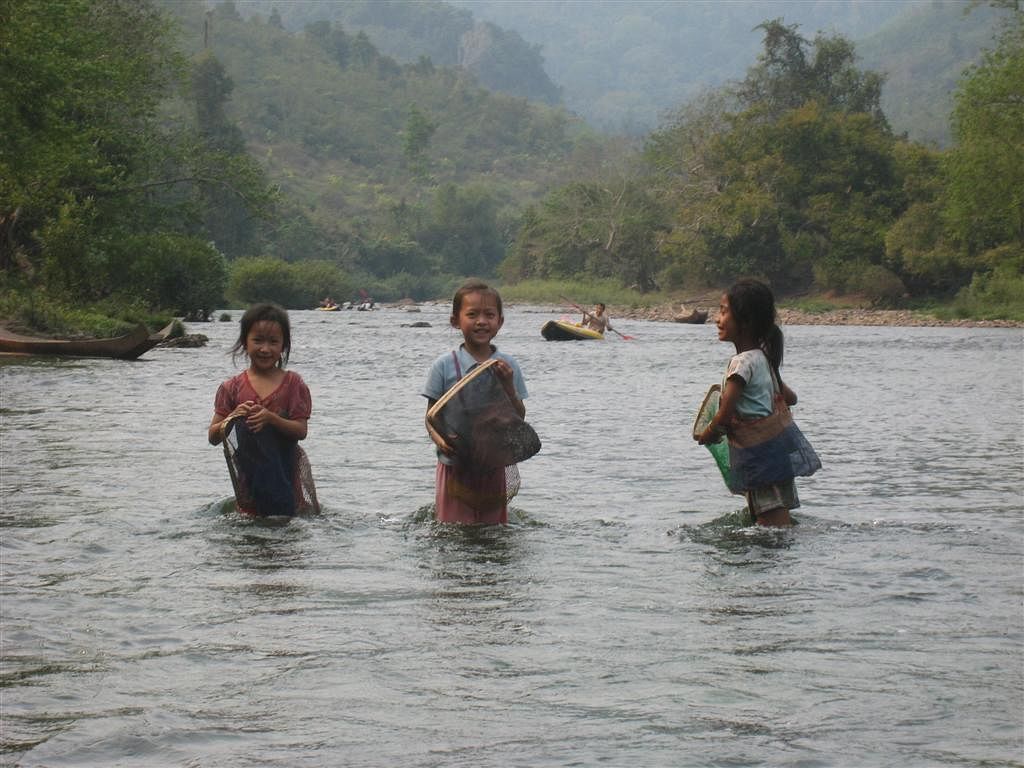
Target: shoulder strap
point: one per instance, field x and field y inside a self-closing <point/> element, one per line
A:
<point x="458" y="368"/>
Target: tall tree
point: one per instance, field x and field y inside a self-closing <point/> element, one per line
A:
<point x="604" y="228"/>
<point x="792" y="71"/>
<point x="789" y="176"/>
<point x="82" y="80"/>
<point x="418" y="132"/>
<point x="94" y="182"/>
<point x="223" y="208"/>
<point x="986" y="167"/>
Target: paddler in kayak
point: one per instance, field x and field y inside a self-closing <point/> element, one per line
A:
<point x="597" y="320"/>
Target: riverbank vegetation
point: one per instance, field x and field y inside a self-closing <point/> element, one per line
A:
<point x="165" y="158"/>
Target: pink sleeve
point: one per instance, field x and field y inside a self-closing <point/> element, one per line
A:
<point x="224" y="403"/>
<point x="300" y="402"/>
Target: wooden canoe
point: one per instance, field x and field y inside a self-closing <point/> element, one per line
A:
<point x="127" y="347"/>
<point x="559" y="330"/>
<point x="696" y="316"/>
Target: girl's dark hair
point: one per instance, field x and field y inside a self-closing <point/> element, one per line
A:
<point x="474" y="286"/>
<point x="752" y="304"/>
<point x="259" y="313"/>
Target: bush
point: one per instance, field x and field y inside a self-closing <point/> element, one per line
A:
<point x="999" y="292"/>
<point x="876" y="283"/>
<point x="175" y="272"/>
<point x="293" y="286"/>
<point x="316" y="279"/>
<point x="418" y="287"/>
<point x="256" y="280"/>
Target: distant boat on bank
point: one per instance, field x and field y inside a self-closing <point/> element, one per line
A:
<point x="696" y="316"/>
<point x="127" y="347"/>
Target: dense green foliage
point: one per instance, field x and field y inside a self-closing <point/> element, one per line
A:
<point x="983" y="212"/>
<point x="301" y="284"/>
<point x="100" y="197"/>
<point x="404" y="177"/>
<point x="171" y="161"/>
<point x="793" y="175"/>
<point x="129" y="168"/>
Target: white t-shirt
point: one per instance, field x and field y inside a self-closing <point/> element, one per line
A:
<point x="753" y="368"/>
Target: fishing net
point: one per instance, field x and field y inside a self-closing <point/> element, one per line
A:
<point x="477" y="419"/>
<point x="719" y="450"/>
<point x="759" y="452"/>
<point x="270" y="474"/>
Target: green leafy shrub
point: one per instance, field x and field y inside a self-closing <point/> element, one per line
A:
<point x="999" y="293"/>
<point x="877" y="284"/>
<point x="293" y="286"/>
<point x="176" y="272"/>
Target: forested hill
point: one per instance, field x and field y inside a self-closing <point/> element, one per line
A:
<point x="498" y="57"/>
<point x="170" y="162"/>
<point x="621" y="64"/>
<point x="373" y="155"/>
<point x="923" y="53"/>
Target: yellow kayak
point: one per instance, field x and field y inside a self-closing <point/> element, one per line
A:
<point x="559" y="330"/>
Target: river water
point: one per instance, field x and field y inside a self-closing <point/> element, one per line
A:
<point x="621" y="619"/>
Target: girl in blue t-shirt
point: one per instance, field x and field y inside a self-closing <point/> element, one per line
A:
<point x="462" y="495"/>
<point x="746" y="317"/>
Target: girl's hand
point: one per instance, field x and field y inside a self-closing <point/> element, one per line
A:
<point x="242" y="409"/>
<point x="443" y="445"/>
<point x="503" y="371"/>
<point x="505" y="375"/>
<point x="259" y="417"/>
<point x="215" y="433"/>
<point x="709" y="435"/>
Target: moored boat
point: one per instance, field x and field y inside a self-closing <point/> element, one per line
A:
<point x="696" y="316"/>
<point x="127" y="347"/>
<point x="560" y="330"/>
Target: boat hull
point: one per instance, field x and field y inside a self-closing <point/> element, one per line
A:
<point x="127" y="347"/>
<point x="696" y="317"/>
<point x="558" y="330"/>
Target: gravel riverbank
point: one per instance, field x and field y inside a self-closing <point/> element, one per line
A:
<point x="895" y="317"/>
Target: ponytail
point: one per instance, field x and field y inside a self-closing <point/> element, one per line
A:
<point x="771" y="345"/>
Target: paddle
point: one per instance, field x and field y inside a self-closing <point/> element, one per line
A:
<point x="581" y="309"/>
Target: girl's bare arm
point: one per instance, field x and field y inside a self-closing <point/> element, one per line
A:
<point x="720" y="424"/>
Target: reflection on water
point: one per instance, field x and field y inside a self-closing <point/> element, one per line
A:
<point x="147" y="623"/>
<point x="475" y="586"/>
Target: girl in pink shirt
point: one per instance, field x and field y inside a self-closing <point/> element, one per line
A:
<point x="268" y="409"/>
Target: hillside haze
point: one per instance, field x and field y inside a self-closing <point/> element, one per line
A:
<point x="622" y="65"/>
